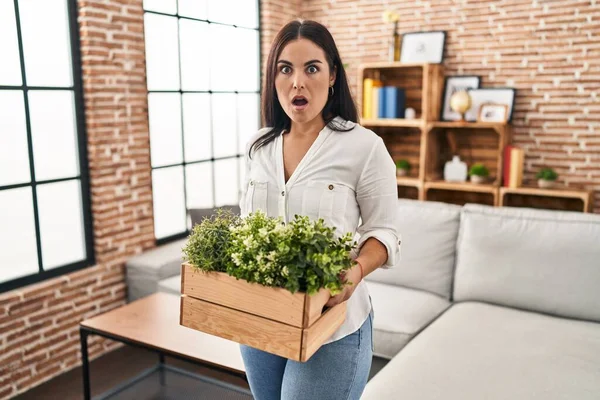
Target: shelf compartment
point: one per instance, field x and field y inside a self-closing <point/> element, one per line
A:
<point x="459" y="196"/>
<point x="410" y="192"/>
<point x="422" y="83"/>
<point x="550" y="199"/>
<point x="404" y="143"/>
<point x="483" y="145"/>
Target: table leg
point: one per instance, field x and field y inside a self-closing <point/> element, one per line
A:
<point x="83" y="334"/>
<point x="161" y="366"/>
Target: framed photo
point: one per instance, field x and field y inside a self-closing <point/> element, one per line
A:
<point x="493" y="113"/>
<point x="481" y="96"/>
<point x="452" y="85"/>
<point x="423" y="47"/>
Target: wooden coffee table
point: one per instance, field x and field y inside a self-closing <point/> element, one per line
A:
<point x="153" y="323"/>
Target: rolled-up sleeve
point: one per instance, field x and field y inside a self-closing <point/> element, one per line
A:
<point x="377" y="197"/>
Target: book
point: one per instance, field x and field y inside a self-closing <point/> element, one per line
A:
<point x="506" y="166"/>
<point x="394" y="102"/>
<point x="382" y="109"/>
<point x="368" y="85"/>
<point x="375" y="101"/>
<point x="517" y="157"/>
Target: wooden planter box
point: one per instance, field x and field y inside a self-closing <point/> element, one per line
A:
<point x="274" y="320"/>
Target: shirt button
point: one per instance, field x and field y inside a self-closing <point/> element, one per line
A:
<point x="330" y="187"/>
<point x="283" y="193"/>
<point x="251" y="183"/>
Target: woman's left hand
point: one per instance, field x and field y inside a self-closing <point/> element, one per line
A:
<point x="353" y="275"/>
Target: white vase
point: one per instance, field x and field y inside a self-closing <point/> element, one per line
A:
<point x="401" y="172"/>
<point x="478" y="179"/>
<point x="545" y="184"/>
<point x="455" y="170"/>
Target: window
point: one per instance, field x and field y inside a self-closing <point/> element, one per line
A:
<point x="45" y="221"/>
<point x="203" y="75"/>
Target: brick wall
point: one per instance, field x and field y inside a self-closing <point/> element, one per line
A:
<point x="548" y="50"/>
<point x="273" y="15"/>
<point x="39" y="335"/>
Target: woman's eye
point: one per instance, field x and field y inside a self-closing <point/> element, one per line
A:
<point x="285" y="69"/>
<point x="312" y="69"/>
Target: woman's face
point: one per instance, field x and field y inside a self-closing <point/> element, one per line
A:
<point x="302" y="80"/>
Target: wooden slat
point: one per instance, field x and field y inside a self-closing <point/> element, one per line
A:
<point x="313" y="337"/>
<point x="554" y="199"/>
<point x="461" y="186"/>
<point x="392" y="122"/>
<point x="238" y="326"/>
<point x="314" y="306"/>
<point x="219" y="288"/>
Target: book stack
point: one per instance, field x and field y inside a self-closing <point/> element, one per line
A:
<point x="513" y="166"/>
<point x="381" y="101"/>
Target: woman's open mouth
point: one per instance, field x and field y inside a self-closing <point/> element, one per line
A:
<point x="299" y="103"/>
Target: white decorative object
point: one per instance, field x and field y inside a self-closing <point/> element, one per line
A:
<point x="410" y="113"/>
<point x="455" y="170"/>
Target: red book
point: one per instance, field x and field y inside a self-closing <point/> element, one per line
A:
<point x="506" y="165"/>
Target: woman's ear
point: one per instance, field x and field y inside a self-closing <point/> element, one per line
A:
<point x="333" y="75"/>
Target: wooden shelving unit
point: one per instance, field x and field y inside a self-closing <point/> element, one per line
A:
<point x="393" y="122"/>
<point x="555" y="199"/>
<point x="428" y="144"/>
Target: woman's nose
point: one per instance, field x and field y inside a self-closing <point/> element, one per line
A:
<point x="298" y="81"/>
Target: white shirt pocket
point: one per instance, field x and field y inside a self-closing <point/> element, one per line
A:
<point x="257" y="196"/>
<point x="327" y="200"/>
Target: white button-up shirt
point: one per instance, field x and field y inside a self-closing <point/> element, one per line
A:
<point x="343" y="178"/>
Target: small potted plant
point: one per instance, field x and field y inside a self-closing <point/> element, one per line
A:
<point x="402" y="167"/>
<point x="479" y="173"/>
<point x="546" y="177"/>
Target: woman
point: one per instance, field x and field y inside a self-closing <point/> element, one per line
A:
<point x="314" y="159"/>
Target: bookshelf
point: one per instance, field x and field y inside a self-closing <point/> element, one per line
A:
<point x="428" y="144"/>
<point x="555" y="199"/>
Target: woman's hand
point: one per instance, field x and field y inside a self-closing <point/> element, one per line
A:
<point x="352" y="275"/>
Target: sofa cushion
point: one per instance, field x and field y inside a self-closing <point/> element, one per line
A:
<point x="429" y="231"/>
<point x="145" y="270"/>
<point x="171" y="285"/>
<point x="478" y="351"/>
<point x="400" y="313"/>
<point x="539" y="260"/>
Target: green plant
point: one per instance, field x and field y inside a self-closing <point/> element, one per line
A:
<point x="547" y="174"/>
<point x="303" y="255"/>
<point x="403" y="164"/>
<point x="207" y="243"/>
<point x="478" y="169"/>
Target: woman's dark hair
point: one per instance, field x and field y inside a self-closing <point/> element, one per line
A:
<point x="340" y="104"/>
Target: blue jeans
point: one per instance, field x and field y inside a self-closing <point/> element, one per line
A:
<point x="338" y="370"/>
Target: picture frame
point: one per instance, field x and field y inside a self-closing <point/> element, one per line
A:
<point x="489" y="112"/>
<point x="423" y="47"/>
<point x="490" y="95"/>
<point x="453" y="84"/>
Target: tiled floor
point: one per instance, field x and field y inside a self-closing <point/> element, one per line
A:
<point x="111" y="369"/>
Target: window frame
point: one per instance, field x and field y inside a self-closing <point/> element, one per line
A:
<point x="181" y="92"/>
<point x="84" y="175"/>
